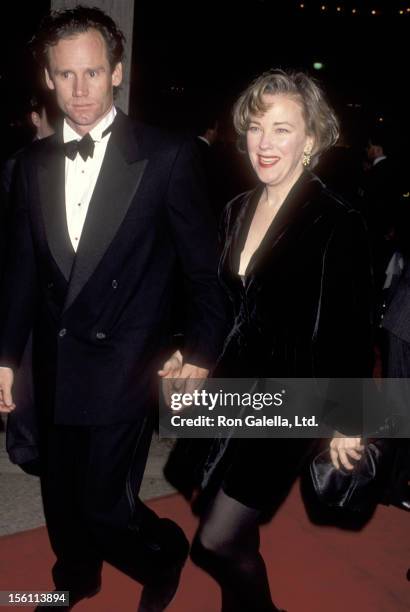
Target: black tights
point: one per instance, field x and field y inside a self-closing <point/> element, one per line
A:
<point x="227" y="547"/>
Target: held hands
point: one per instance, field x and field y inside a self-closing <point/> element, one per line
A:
<point x="180" y="377"/>
<point x="343" y="449"/>
<point x="6" y="382"/>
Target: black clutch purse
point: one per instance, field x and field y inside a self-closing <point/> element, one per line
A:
<point x="358" y="490"/>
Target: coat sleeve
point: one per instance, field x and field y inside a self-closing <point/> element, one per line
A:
<point x="397" y="317"/>
<point x="343" y="341"/>
<point x="195" y="235"/>
<point x="18" y="291"/>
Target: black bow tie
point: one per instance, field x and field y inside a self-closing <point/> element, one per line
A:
<point x="85" y="147"/>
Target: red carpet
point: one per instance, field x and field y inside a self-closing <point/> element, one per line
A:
<point x="311" y="569"/>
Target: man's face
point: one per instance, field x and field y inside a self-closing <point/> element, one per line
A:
<point x="80" y="73"/>
<point x="373" y="151"/>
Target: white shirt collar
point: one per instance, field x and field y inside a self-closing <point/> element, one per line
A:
<point x="96" y="132"/>
<point x="204" y="140"/>
<point x="379" y="159"/>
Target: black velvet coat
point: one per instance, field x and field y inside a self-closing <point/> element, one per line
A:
<point x="305" y="307"/>
<point x="303" y="311"/>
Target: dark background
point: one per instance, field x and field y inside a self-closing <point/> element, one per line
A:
<point x="187" y="57"/>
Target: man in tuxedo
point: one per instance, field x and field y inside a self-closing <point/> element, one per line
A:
<point x="380" y="191"/>
<point x="107" y="213"/>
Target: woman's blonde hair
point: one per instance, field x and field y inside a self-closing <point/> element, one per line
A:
<point x="320" y="119"/>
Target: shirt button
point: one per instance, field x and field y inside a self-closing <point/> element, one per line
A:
<point x="100" y="335"/>
<point x="62" y="332"/>
<point x="114" y="284"/>
<point x="50" y="285"/>
<point x="79" y="203"/>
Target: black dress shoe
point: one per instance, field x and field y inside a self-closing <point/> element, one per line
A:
<point x="75" y="596"/>
<point x="405" y="505"/>
<point x="156" y="597"/>
<point x="172" y="549"/>
<point x="402" y="503"/>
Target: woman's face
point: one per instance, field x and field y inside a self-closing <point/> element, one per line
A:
<point x="277" y="140"/>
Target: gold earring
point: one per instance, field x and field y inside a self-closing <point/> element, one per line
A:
<point x="307" y="158"/>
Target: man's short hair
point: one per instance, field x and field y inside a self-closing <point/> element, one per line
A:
<point x="64" y="24"/>
<point x="379" y="137"/>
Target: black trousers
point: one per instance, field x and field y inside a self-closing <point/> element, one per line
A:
<point x="90" y="482"/>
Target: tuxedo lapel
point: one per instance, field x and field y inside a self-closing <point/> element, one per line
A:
<point x="117" y="184"/>
<point x="51" y="174"/>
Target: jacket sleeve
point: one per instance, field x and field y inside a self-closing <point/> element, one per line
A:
<point x="195" y="236"/>
<point x="19" y="279"/>
<point x="397" y="317"/>
<point x="343" y="341"/>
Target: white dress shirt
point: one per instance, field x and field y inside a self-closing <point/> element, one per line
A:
<point x="204" y="140"/>
<point x="378" y="159"/>
<point x="81" y="176"/>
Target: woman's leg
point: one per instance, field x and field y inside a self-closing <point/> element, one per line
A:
<point x="227" y="547"/>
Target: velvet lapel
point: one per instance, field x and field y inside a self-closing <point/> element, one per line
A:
<point x="51" y="173"/>
<point x="117" y="184"/>
<point x="295" y="210"/>
<point x="235" y="239"/>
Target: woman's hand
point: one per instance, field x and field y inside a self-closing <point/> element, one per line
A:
<point x="343" y="448"/>
<point x="172" y="367"/>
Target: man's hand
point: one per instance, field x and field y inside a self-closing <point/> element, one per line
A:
<point x="344" y="448"/>
<point x="169" y="373"/>
<point x="190" y="375"/>
<point x="6" y="383"/>
<point x="180" y="377"/>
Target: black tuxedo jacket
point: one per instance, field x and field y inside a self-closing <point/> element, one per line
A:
<point x="101" y="317"/>
<point x="381" y="193"/>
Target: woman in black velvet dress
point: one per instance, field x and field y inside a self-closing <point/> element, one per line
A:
<point x="295" y="266"/>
